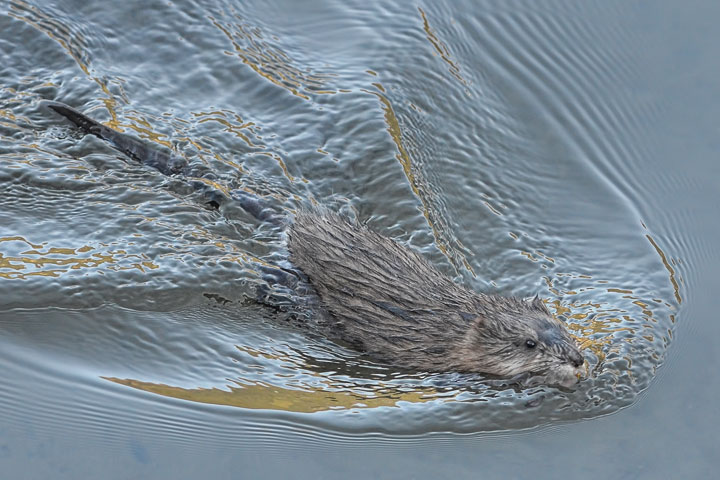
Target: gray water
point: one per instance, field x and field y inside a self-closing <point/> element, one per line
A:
<point x="560" y="148"/>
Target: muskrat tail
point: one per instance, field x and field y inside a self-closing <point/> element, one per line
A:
<point x="136" y="149"/>
<point x="168" y="164"/>
<point x="259" y="208"/>
<point x="164" y="162"/>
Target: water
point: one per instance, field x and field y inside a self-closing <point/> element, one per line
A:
<point x="522" y="147"/>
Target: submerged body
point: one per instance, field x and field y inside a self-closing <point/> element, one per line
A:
<point x="387" y="301"/>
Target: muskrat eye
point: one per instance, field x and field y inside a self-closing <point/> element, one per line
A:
<point x="530" y="343"/>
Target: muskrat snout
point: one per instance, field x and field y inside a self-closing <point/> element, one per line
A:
<point x="576" y="359"/>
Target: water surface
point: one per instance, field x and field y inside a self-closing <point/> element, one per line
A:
<point x="521" y="147"/>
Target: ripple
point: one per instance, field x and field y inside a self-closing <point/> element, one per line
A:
<point x="272" y="63"/>
<point x="503" y="149"/>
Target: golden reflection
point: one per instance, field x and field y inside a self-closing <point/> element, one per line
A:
<point x="213" y="184"/>
<point x="8" y="114"/>
<point x="403" y="157"/>
<point x="668" y="267"/>
<point x="492" y="209"/>
<point x="71" y="40"/>
<point x="254" y="394"/>
<point x="260" y="395"/>
<point x="593" y="334"/>
<point x="596" y="325"/>
<point x="237" y="130"/>
<point x="270" y="62"/>
<point x="536" y="256"/>
<point x="246" y="131"/>
<point x="73" y="43"/>
<point x="280" y="162"/>
<point x="442" y="50"/>
<point x="44" y="260"/>
<point x="144" y="128"/>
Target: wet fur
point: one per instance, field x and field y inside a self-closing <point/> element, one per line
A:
<point x="389" y="302"/>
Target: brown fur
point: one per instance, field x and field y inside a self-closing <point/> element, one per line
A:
<point x="388" y="301"/>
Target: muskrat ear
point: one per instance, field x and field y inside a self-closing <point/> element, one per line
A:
<point x="538" y="304"/>
<point x="470" y="318"/>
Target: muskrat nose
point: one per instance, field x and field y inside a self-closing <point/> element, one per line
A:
<point x="576" y="359"/>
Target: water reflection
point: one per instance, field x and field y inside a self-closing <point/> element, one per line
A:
<point x="442" y="50"/>
<point x="270" y="62"/>
<point x="275" y="397"/>
<point x="44" y="260"/>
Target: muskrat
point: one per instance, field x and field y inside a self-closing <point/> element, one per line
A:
<point x="387" y="301"/>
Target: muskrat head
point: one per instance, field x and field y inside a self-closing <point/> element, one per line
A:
<point x="511" y="337"/>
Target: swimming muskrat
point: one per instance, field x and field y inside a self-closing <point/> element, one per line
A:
<point x="389" y="302"/>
